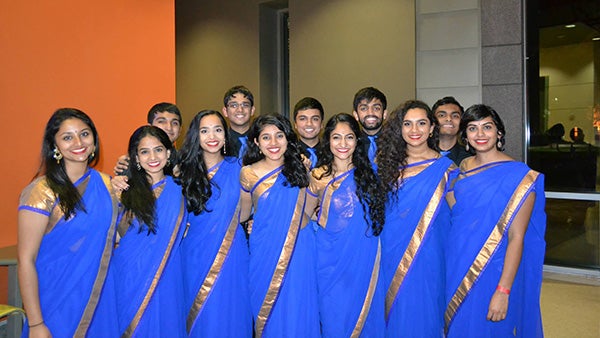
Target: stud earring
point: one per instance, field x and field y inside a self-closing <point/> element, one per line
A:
<point x="91" y="157"/>
<point x="57" y="155"/>
<point x="138" y="166"/>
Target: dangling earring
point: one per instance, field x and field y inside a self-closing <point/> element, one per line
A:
<point x="138" y="166"/>
<point x="57" y="155"/>
<point x="431" y="134"/>
<point x="499" y="144"/>
<point x="467" y="146"/>
<point x="224" y="148"/>
<point x="91" y="157"/>
<point x="168" y="162"/>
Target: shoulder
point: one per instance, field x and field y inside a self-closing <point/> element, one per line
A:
<point x="248" y="177"/>
<point x="38" y="195"/>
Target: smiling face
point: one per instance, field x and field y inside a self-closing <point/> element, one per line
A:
<point x="169" y="122"/>
<point x="370" y="114"/>
<point x="212" y="134"/>
<point x="416" y="128"/>
<point x="308" y="125"/>
<point x="342" y="142"/>
<point x="238" y="111"/>
<point x="75" y="141"/>
<point x="152" y="157"/>
<point x="482" y="135"/>
<point x="448" y="116"/>
<point x="272" y="143"/>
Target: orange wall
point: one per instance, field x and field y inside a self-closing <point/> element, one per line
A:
<point x="112" y="59"/>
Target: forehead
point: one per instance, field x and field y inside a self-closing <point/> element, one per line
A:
<point x="72" y="124"/>
<point x="374" y="101"/>
<point x="238" y="97"/>
<point x="448" y="108"/>
<point x="342" y="128"/>
<point x="415" y="114"/>
<point x="483" y="121"/>
<point x="270" y="129"/>
<point x="210" y="120"/>
<point x="149" y="141"/>
<point x="310" y="112"/>
<point x="166" y="115"/>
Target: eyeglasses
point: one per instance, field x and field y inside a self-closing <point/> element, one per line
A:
<point x="235" y="105"/>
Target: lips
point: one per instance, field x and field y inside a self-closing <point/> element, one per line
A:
<point x="212" y="143"/>
<point x="153" y="164"/>
<point x="481" y="141"/>
<point x="343" y="150"/>
<point x="80" y="151"/>
<point x="273" y="150"/>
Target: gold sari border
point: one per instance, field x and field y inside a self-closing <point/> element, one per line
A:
<point x="282" y="264"/>
<point x="414" y="244"/>
<point x="214" y="271"/>
<point x="90" y="307"/>
<point x="329" y="189"/>
<point x="489" y="246"/>
<point x="138" y="316"/>
<point x="364" y="312"/>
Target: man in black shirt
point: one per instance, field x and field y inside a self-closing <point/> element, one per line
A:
<point x="308" y="121"/>
<point x="448" y="113"/>
<point x="238" y="108"/>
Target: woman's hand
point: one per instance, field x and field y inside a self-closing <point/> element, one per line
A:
<point x="119" y="183"/>
<point x="40" y="331"/>
<point x="498" y="307"/>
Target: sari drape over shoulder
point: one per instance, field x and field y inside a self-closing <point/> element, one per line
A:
<point x="215" y="260"/>
<point x="77" y="295"/>
<point x="148" y="270"/>
<point x="281" y="272"/>
<point x="350" y="288"/>
<point x="412" y="240"/>
<point x="487" y="200"/>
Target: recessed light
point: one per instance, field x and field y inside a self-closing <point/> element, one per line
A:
<point x="596" y="39"/>
<point x="569" y="26"/>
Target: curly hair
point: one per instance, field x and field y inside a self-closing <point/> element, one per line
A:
<point x="193" y="177"/>
<point x="368" y="188"/>
<point x="392" y="152"/>
<point x="139" y="199"/>
<point x="293" y="168"/>
<point x="69" y="199"/>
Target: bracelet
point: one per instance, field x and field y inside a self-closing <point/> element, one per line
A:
<point x="38" y="324"/>
<point x="503" y="290"/>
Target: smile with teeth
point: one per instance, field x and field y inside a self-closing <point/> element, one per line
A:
<point x="79" y="151"/>
<point x="273" y="150"/>
<point x="154" y="164"/>
<point x="481" y="141"/>
<point x="343" y="150"/>
<point x="212" y="143"/>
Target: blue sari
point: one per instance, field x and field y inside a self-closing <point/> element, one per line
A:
<point x="412" y="242"/>
<point x="350" y="288"/>
<point x="148" y="270"/>
<point x="215" y="260"/>
<point x="77" y="295"/>
<point x="283" y="292"/>
<point x="487" y="199"/>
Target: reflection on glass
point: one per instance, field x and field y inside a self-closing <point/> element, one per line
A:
<point x="572" y="234"/>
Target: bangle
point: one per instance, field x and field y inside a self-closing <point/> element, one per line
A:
<point x="503" y="290"/>
<point x="38" y="324"/>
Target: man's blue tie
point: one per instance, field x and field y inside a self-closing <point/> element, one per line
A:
<point x="372" y="148"/>
<point x="312" y="157"/>
<point x="243" y="141"/>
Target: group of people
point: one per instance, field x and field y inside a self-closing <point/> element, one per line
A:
<point x="408" y="224"/>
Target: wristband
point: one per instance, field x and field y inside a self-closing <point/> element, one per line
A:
<point x="38" y="324"/>
<point x="503" y="290"/>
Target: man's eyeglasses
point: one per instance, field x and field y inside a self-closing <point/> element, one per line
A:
<point x="235" y="105"/>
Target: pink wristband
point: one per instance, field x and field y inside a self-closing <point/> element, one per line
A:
<point x="503" y="290"/>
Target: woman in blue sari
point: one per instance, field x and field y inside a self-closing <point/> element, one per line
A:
<point x="350" y="217"/>
<point x="147" y="262"/>
<point x="496" y="245"/>
<point x="415" y="178"/>
<point x="214" y="249"/>
<point x="67" y="221"/>
<point x="281" y="272"/>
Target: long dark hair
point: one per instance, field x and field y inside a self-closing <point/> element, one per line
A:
<point x="139" y="198"/>
<point x="293" y="168"/>
<point x="368" y="187"/>
<point x="69" y="199"/>
<point x="391" y="146"/>
<point x="195" y="185"/>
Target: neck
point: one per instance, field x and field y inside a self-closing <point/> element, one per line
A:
<point x="212" y="159"/>
<point x="447" y="142"/>
<point x="420" y="153"/>
<point x="493" y="155"/>
<point x="371" y="132"/>
<point x="75" y="170"/>
<point x="310" y="142"/>
<point x="270" y="164"/>
<point x="341" y="166"/>
<point x="240" y="129"/>
<point x="156" y="177"/>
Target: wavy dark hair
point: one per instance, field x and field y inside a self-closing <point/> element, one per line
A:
<point x="478" y="112"/>
<point x="139" y="199"/>
<point x="193" y="177"/>
<point x="293" y="168"/>
<point x="368" y="188"/>
<point x="69" y="199"/>
<point x="391" y="146"/>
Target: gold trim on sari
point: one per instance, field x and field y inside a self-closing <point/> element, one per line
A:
<point x="214" y="271"/>
<point x="325" y="190"/>
<point x="138" y="316"/>
<point x="490" y="246"/>
<point x="282" y="263"/>
<point x="90" y="307"/>
<point x="364" y="312"/>
<point x="414" y="244"/>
